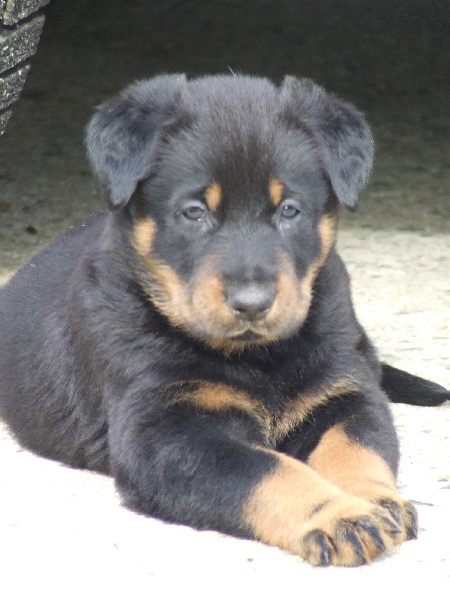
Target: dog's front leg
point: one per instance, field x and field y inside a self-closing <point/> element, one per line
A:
<point x="351" y="442"/>
<point x="363" y="472"/>
<point x="210" y="468"/>
<point x="186" y="464"/>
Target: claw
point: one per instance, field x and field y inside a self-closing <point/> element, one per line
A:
<point x="317" y="539"/>
<point x="374" y="534"/>
<point x="413" y="528"/>
<point x="351" y="537"/>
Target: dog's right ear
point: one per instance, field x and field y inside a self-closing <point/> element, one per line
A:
<point x="121" y="133"/>
<point x="343" y="136"/>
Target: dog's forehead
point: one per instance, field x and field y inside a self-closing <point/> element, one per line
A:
<point x="235" y="122"/>
<point x="233" y="96"/>
<point x="238" y="137"/>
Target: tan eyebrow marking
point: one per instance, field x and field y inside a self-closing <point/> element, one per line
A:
<point x="276" y="191"/>
<point x="213" y="196"/>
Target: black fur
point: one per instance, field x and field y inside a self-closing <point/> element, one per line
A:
<point x="409" y="389"/>
<point x="100" y="368"/>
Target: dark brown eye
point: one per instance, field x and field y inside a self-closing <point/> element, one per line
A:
<point x="289" y="211"/>
<point x="195" y="212"/>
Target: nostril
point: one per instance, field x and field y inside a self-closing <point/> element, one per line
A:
<point x="251" y="302"/>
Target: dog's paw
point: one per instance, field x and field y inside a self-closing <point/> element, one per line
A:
<point x="403" y="513"/>
<point x="349" y="531"/>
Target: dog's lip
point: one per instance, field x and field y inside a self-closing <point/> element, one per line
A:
<point x="247" y="336"/>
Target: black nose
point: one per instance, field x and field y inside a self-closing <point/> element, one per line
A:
<point x="251" y="302"/>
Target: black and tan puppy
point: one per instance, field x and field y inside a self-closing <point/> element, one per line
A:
<point x="198" y="341"/>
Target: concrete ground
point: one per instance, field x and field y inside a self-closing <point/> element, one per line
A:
<point x="63" y="533"/>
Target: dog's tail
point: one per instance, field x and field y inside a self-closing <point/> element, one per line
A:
<point x="401" y="386"/>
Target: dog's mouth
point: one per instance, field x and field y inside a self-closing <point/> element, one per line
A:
<point x="247" y="336"/>
<point x="236" y="341"/>
<point x="208" y="312"/>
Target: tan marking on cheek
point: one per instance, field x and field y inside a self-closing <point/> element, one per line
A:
<point x="168" y="279"/>
<point x="199" y="306"/>
<point x="213" y="196"/>
<point x="297" y="410"/>
<point x="208" y="294"/>
<point x="327" y="234"/>
<point x="293" y="299"/>
<point x="208" y="309"/>
<point x="291" y="303"/>
<point x="143" y="235"/>
<point x="164" y="288"/>
<point x="276" y="191"/>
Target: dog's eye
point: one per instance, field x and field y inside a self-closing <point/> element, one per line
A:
<point x="195" y="212"/>
<point x="289" y="211"/>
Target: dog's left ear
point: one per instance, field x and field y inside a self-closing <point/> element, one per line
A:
<point x="121" y="134"/>
<point x="343" y="135"/>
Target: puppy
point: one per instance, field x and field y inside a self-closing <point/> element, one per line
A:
<point x="198" y="340"/>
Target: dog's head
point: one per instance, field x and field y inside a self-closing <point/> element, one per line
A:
<point x="231" y="186"/>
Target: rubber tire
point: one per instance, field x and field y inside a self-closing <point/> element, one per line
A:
<point x="21" y="23"/>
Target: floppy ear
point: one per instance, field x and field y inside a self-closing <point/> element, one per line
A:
<point x="121" y="133"/>
<point x="343" y="135"/>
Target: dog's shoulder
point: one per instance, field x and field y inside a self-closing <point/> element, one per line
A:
<point x="56" y="262"/>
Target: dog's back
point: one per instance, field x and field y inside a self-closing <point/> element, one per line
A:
<point x="38" y="394"/>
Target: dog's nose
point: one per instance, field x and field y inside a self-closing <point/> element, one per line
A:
<point x="251" y="302"/>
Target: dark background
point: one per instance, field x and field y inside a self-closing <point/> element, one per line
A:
<point x="391" y="58"/>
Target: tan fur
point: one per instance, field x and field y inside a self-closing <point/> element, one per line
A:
<point x="280" y="505"/>
<point x="276" y="191"/>
<point x="297" y="410"/>
<point x="213" y="196"/>
<point x="352" y="467"/>
<point x="219" y="397"/>
<point x="143" y="236"/>
<point x="363" y="473"/>
<point x="200" y="306"/>
<point x="297" y="509"/>
<point x="327" y="233"/>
